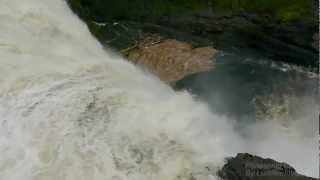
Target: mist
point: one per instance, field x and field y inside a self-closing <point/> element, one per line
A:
<point x="71" y="110"/>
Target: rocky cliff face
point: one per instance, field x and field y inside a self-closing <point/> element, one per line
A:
<point x="169" y="59"/>
<point x="291" y="42"/>
<point x="250" y="167"/>
<point x="283" y="30"/>
<point x="280" y="31"/>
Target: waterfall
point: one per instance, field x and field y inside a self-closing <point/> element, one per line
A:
<point x="70" y="110"/>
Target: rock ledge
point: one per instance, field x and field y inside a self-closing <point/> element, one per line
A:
<point x="250" y="167"/>
<point x="169" y="59"/>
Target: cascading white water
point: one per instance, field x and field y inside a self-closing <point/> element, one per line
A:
<point x="71" y="111"/>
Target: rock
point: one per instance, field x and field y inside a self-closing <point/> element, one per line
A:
<point x="272" y="107"/>
<point x="281" y="30"/>
<point x="289" y="43"/>
<point x="292" y="42"/>
<point x="169" y="59"/>
<point x="315" y="43"/>
<point x="250" y="167"/>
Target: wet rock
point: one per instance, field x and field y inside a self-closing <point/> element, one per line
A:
<point x="289" y="43"/>
<point x="292" y="42"/>
<point x="272" y="107"/>
<point x="250" y="167"/>
<point x="315" y="43"/>
<point x="169" y="59"/>
<point x="281" y="30"/>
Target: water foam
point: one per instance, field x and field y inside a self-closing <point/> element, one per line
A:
<point x="71" y="111"/>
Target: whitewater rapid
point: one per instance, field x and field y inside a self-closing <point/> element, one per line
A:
<point x="69" y="110"/>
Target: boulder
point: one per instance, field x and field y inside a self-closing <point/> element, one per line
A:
<point x="249" y="167"/>
<point x="169" y="59"/>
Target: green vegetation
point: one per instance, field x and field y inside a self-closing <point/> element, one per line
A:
<point x="283" y="29"/>
<point x="134" y="9"/>
<point x="278" y="10"/>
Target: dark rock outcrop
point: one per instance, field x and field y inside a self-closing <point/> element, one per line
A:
<point x="282" y="30"/>
<point x="294" y="42"/>
<point x="250" y="167"/>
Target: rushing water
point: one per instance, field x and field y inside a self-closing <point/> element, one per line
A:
<point x="277" y="101"/>
<point x="71" y="111"/>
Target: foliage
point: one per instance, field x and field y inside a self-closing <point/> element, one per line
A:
<point x="278" y="10"/>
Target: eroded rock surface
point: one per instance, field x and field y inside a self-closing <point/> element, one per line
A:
<point x="169" y="59"/>
<point x="250" y="167"/>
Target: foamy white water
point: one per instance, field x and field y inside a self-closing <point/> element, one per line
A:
<point x="71" y="111"/>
